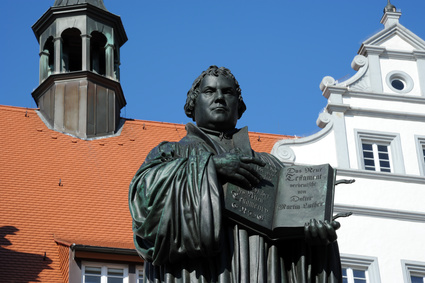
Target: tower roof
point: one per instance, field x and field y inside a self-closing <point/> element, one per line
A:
<point x="97" y="3"/>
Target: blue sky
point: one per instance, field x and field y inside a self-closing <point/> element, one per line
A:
<point x="278" y="50"/>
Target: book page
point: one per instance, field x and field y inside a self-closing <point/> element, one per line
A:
<point x="256" y="205"/>
<point x="304" y="193"/>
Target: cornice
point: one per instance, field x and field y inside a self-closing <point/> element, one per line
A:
<point x="381" y="212"/>
<point x="400" y="55"/>
<point x="371" y="50"/>
<point x="375" y="175"/>
<point x="370" y="112"/>
<point x="334" y="107"/>
<point x="346" y="108"/>
<point x="386" y="97"/>
<point x="338" y="89"/>
<point x="419" y="54"/>
<point x="89" y="10"/>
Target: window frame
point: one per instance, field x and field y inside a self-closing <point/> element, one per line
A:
<point x="350" y="274"/>
<point x="140" y="268"/>
<point x="392" y="140"/>
<point x="365" y="263"/>
<point x="104" y="269"/>
<point x="401" y="76"/>
<point x="412" y="268"/>
<point x="376" y="156"/>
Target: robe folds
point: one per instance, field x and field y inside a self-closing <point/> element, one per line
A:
<point x="176" y="202"/>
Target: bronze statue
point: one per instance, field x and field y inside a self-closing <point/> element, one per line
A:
<point x="176" y="201"/>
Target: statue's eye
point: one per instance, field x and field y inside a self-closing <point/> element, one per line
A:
<point x="228" y="91"/>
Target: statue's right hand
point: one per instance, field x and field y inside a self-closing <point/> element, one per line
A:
<point x="235" y="168"/>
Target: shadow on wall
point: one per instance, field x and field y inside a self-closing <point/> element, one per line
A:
<point x="18" y="266"/>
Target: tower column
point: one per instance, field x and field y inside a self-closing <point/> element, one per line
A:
<point x="44" y="64"/>
<point x="85" y="64"/>
<point x="109" y="60"/>
<point x="58" y="54"/>
<point x="117" y="67"/>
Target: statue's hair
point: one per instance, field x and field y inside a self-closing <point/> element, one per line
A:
<point x="192" y="94"/>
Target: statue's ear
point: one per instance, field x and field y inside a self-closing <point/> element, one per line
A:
<point x="241" y="108"/>
<point x="193" y="110"/>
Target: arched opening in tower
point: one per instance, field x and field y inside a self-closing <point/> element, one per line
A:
<point x="71" y="50"/>
<point x="97" y="53"/>
<point x="47" y="58"/>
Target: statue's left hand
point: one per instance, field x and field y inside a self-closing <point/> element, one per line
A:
<point x="319" y="232"/>
<point x="235" y="168"/>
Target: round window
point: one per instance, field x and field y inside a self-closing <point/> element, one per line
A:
<point x="399" y="82"/>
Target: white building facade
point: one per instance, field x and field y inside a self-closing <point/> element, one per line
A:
<point x="373" y="131"/>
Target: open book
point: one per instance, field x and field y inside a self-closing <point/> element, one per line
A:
<point x="284" y="201"/>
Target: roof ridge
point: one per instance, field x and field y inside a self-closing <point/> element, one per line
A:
<point x="270" y="134"/>
<point x="16" y="108"/>
<point x="138" y="121"/>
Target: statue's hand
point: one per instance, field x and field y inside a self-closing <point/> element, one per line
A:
<point x="319" y="232"/>
<point x="235" y="168"/>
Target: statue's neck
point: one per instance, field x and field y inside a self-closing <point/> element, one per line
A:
<point x="221" y="135"/>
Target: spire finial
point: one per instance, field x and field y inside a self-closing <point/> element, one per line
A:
<point x="389" y="8"/>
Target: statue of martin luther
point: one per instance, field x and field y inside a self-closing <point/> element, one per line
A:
<point x="176" y="201"/>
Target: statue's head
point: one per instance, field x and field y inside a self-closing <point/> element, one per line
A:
<point x="217" y="80"/>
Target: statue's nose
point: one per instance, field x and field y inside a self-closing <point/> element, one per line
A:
<point x="219" y="95"/>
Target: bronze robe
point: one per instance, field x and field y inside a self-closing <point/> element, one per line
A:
<point x="176" y="202"/>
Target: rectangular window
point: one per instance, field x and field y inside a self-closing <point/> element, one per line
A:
<point x="92" y="274"/>
<point x="414" y="272"/>
<point x="359" y="269"/>
<point x="140" y="276"/>
<point x="104" y="273"/>
<point x="376" y="157"/>
<point x="380" y="152"/>
<point x="115" y="275"/>
<point x="350" y="275"/>
<point x="417" y="279"/>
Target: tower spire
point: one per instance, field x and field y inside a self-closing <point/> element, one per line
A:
<point x="390" y="8"/>
<point x="391" y="16"/>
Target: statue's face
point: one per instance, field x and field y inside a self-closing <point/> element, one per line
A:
<point x="216" y="107"/>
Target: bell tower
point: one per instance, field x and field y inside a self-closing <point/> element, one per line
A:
<point x="79" y="92"/>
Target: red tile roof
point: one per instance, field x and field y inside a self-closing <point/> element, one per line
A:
<point x="57" y="189"/>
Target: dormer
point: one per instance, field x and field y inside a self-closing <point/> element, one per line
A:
<point x="79" y="91"/>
